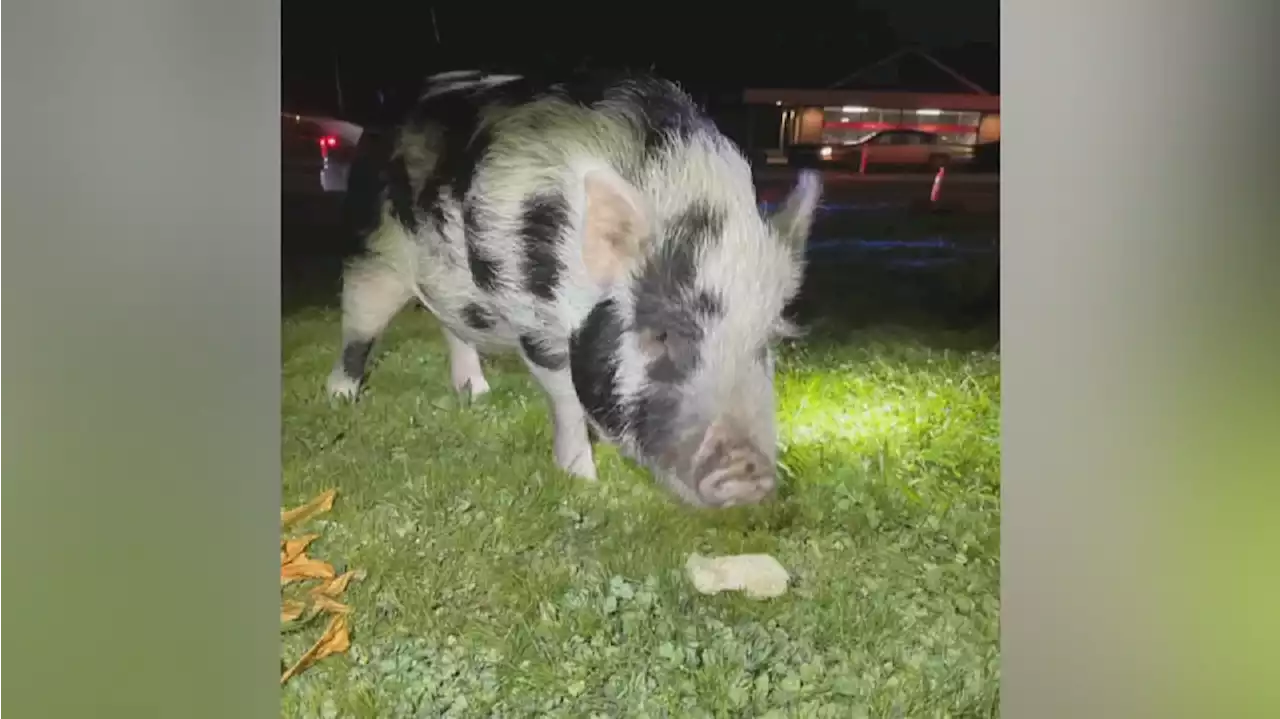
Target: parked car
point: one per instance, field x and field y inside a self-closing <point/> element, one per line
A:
<point x="315" y="153"/>
<point x="899" y="148"/>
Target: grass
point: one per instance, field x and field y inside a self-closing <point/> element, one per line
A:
<point x="499" y="587"/>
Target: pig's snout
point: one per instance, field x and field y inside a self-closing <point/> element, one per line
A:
<point x="728" y="470"/>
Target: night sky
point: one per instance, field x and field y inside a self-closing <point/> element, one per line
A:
<point x="389" y="47"/>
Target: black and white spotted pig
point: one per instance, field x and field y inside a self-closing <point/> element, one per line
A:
<point x="609" y="233"/>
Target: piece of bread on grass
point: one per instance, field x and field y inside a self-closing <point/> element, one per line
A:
<point x="759" y="576"/>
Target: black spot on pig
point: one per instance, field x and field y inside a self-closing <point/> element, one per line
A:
<point x="542" y="220"/>
<point x="654" y="418"/>
<point x="673" y="269"/>
<point x="665" y="112"/>
<point x="672" y="368"/>
<point x="400" y="194"/>
<point x="431" y="199"/>
<point x="431" y="202"/>
<point x="367" y="184"/>
<point x="709" y="305"/>
<point x="541" y="355"/>
<point x="594" y="364"/>
<point x="355" y="355"/>
<point x="470" y="219"/>
<point x="460" y="141"/>
<point x="677" y="328"/>
<point x="662" y="111"/>
<point x="484" y="269"/>
<point x="454" y="117"/>
<point x="667" y="273"/>
<point x="669" y="308"/>
<point x="697" y="225"/>
<point x="477" y="317"/>
<point x="464" y="137"/>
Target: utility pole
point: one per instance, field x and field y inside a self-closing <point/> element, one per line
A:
<point x="337" y="82"/>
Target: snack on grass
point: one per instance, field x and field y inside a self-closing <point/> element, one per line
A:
<point x="759" y="576"/>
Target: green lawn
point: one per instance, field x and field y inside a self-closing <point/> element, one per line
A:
<point x="499" y="587"/>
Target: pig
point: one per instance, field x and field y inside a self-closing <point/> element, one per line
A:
<point x="608" y="233"/>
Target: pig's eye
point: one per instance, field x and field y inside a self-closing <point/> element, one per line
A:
<point x="653" y="343"/>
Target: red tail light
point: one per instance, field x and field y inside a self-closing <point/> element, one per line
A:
<point x="327" y="143"/>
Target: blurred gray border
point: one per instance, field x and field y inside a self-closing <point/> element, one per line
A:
<point x="142" y="358"/>
<point x="142" y="361"/>
<point x="1137" y="259"/>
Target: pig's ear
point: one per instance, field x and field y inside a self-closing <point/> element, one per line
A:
<point x="794" y="219"/>
<point x="615" y="225"/>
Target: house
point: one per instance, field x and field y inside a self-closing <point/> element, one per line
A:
<point x="907" y="89"/>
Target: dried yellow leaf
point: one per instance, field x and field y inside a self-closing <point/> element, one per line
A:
<point x="329" y="604"/>
<point x="295" y="565"/>
<point x="334" y="587"/>
<point x="291" y="609"/>
<point x="304" y="567"/>
<point x="291" y="549"/>
<point x="319" y="505"/>
<point x="335" y="640"/>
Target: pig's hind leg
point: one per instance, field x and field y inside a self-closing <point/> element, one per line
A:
<point x="372" y="294"/>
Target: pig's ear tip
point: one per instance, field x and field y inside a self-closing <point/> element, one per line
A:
<point x="810" y="179"/>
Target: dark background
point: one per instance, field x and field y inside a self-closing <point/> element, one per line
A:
<point x="387" y="49"/>
<point x="383" y="50"/>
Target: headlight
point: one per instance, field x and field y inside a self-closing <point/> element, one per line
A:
<point x="825" y="153"/>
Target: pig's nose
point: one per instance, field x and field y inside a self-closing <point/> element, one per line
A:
<point x="733" y="472"/>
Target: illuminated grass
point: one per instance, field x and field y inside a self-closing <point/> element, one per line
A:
<point x="498" y="587"/>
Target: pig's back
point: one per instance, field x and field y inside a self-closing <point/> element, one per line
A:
<point x="479" y="180"/>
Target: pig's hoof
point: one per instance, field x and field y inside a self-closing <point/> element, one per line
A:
<point x="340" y="386"/>
<point x="582" y="467"/>
<point x="475" y="387"/>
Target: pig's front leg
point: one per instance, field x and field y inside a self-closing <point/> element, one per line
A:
<point x="572" y="442"/>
